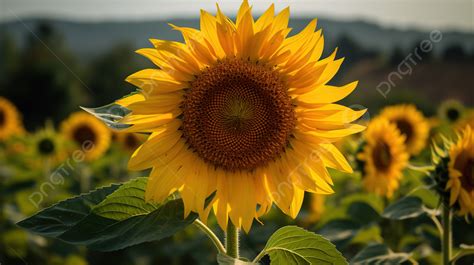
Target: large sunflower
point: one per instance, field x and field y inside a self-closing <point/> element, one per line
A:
<point x="89" y="134"/>
<point x="411" y="123"/>
<point x="10" y="119"/>
<point x="240" y="110"/>
<point x="461" y="173"/>
<point x="384" y="157"/>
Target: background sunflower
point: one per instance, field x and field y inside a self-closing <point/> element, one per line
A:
<point x="411" y="123"/>
<point x="88" y="133"/>
<point x="384" y="157"/>
<point x="48" y="145"/>
<point x="128" y="141"/>
<point x="451" y="111"/>
<point x="461" y="173"/>
<point x="10" y="119"/>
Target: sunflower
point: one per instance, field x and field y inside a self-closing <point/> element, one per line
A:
<point x="461" y="173"/>
<point x="451" y="111"/>
<point x="383" y="157"/>
<point x="411" y="123"/>
<point x="48" y="144"/>
<point x="241" y="111"/>
<point x="128" y="141"/>
<point x="88" y="133"/>
<point x="10" y="119"/>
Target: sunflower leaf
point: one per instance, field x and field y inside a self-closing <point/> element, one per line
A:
<point x="379" y="254"/>
<point x="340" y="231"/>
<point x="110" y="114"/>
<point x="293" y="245"/>
<point x="89" y="219"/>
<point x="126" y="202"/>
<point x="59" y="218"/>
<point x="406" y="208"/>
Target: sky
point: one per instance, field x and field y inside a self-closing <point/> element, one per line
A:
<point x="419" y="14"/>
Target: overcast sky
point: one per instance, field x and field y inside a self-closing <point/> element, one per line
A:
<point x="424" y="14"/>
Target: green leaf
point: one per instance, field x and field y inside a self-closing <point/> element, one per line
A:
<point x="369" y="234"/>
<point x="362" y="213"/>
<point x="379" y="254"/>
<point x="429" y="197"/>
<point x="407" y="207"/>
<point x="340" y="232"/>
<point x="293" y="245"/>
<point x="106" y="220"/>
<point x="111" y="115"/>
<point x="371" y="199"/>
<point x="61" y="217"/>
<point x="223" y="259"/>
<point x="126" y="202"/>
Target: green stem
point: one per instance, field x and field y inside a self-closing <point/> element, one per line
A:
<point x="85" y="179"/>
<point x="439" y="226"/>
<point x="215" y="240"/>
<point x="232" y="240"/>
<point x="447" y="235"/>
<point x="259" y="257"/>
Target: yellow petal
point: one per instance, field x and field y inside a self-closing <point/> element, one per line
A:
<point x="128" y="100"/>
<point x="161" y="103"/>
<point x="327" y="94"/>
<point x="154" y="81"/>
<point x="333" y="158"/>
<point x="265" y="19"/>
<point x="148" y="123"/>
<point x="208" y="29"/>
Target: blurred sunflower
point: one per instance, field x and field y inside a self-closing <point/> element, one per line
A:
<point x="411" y="123"/>
<point x="128" y="141"/>
<point x="10" y="119"/>
<point x="87" y="133"/>
<point x="240" y="108"/>
<point x="461" y="173"/>
<point x="48" y="144"/>
<point x="451" y="111"/>
<point x="384" y="157"/>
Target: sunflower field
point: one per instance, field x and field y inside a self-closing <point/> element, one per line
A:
<point x="241" y="142"/>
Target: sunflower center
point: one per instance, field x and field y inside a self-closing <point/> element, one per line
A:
<point x="406" y="129"/>
<point x="382" y="156"/>
<point x="46" y="146"/>
<point x="131" y="142"/>
<point x="237" y="115"/>
<point x="84" y="133"/>
<point x="2" y="117"/>
<point x="465" y="165"/>
<point x="453" y="114"/>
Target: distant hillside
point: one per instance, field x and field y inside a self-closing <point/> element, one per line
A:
<point x="88" y="40"/>
<point x="429" y="84"/>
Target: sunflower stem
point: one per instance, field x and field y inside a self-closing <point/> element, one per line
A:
<point x="215" y="240"/>
<point x="447" y="217"/>
<point x="232" y="240"/>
